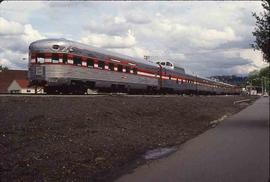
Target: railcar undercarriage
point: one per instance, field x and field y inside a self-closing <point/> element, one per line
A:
<point x="89" y="87"/>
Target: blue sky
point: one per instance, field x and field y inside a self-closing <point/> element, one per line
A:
<point x="206" y="38"/>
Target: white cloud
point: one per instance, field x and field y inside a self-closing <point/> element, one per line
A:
<point x="211" y="38"/>
<point x="109" y="25"/>
<point x="21" y="11"/>
<point x="254" y="56"/>
<point x="31" y="34"/>
<point x="119" y="20"/>
<point x="106" y="41"/>
<point x="176" y="35"/>
<point x="10" y="27"/>
<point x="138" y="17"/>
<point x="14" y="43"/>
<point x="138" y="52"/>
<point x="13" y="60"/>
<point x="206" y="38"/>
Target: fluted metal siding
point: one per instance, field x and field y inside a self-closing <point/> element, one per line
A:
<point x="69" y="72"/>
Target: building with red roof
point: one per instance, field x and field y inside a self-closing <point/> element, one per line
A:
<point x="7" y="76"/>
<point x="15" y="81"/>
<point x="21" y="86"/>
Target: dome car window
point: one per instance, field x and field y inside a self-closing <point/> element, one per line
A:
<point x="168" y="64"/>
<point x="77" y="61"/>
<point x="55" y="58"/>
<point x="90" y="62"/>
<point x="127" y="69"/>
<point x="135" y="71"/>
<point x="40" y="58"/>
<point x="120" y="68"/>
<point x="111" y="66"/>
<point x="65" y="58"/>
<point x="101" y="64"/>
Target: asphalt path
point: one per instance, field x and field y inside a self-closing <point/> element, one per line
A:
<point x="237" y="150"/>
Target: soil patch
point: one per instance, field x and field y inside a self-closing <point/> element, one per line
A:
<point x="97" y="138"/>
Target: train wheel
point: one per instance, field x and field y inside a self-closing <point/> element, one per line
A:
<point x="51" y="90"/>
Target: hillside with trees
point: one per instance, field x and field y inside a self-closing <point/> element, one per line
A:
<point x="231" y="79"/>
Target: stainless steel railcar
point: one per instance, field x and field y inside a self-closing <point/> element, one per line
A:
<point x="64" y="66"/>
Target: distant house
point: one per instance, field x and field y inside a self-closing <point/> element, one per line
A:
<point x="21" y="86"/>
<point x="252" y="90"/>
<point x="7" y="76"/>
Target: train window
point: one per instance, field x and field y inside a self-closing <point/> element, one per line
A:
<point x="40" y="58"/>
<point x="127" y="69"/>
<point x="90" y="62"/>
<point x="162" y="63"/>
<point x="119" y="68"/>
<point x="111" y="66"/>
<point x="101" y="64"/>
<point x="77" y="61"/>
<point x="55" y="58"/>
<point x="135" y="71"/>
<point x="168" y="64"/>
<point x="33" y="58"/>
<point x="65" y="58"/>
<point x="55" y="47"/>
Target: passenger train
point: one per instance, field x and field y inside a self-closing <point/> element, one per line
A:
<point x="64" y="66"/>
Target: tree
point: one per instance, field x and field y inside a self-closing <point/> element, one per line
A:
<point x="265" y="72"/>
<point x="260" y="78"/>
<point x="3" y="68"/>
<point x="262" y="31"/>
<point x="254" y="78"/>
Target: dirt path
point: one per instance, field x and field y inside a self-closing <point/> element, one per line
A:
<point x="96" y="138"/>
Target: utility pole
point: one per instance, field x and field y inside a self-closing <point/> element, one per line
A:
<point x="265" y="83"/>
<point x="262" y="82"/>
<point x="250" y="87"/>
<point x="196" y="85"/>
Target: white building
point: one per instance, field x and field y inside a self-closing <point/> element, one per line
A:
<point x="252" y="90"/>
<point x="21" y="86"/>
